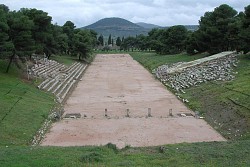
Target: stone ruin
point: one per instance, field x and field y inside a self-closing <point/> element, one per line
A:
<point x="183" y="75"/>
<point x="57" y="78"/>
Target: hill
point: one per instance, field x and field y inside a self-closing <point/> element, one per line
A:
<point x="151" y="26"/>
<point x="188" y="27"/>
<point x="192" y="27"/>
<point x="147" y="25"/>
<point x="119" y="27"/>
<point x="116" y="27"/>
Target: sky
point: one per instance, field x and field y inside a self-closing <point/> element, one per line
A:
<point x="159" y="12"/>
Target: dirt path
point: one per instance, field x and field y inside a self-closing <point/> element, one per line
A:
<point x="117" y="83"/>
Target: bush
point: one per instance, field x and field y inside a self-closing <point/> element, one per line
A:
<point x="91" y="157"/>
<point x="113" y="147"/>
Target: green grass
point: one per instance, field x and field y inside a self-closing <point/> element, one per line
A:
<point x="68" y="60"/>
<point x="152" y="60"/>
<point x="197" y="154"/>
<point x="90" y="58"/>
<point x="23" y="108"/>
<point x="27" y="107"/>
<point x="225" y="105"/>
<point x="64" y="59"/>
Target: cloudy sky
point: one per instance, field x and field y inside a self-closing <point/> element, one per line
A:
<point x="160" y="12"/>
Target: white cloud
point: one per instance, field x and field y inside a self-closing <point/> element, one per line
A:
<point x="161" y="12"/>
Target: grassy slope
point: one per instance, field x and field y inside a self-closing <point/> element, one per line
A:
<point x="23" y="108"/>
<point x="225" y="105"/>
<point x="64" y="59"/>
<point x="198" y="154"/>
<point x="153" y="60"/>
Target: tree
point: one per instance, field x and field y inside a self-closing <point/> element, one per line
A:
<point x="191" y="44"/>
<point x="93" y="38"/>
<point x="155" y="39"/>
<point x="82" y="43"/>
<point x="109" y="40"/>
<point x="129" y="43"/>
<point x="51" y="45"/>
<point x="4" y="8"/>
<point x="175" y="40"/>
<point x="29" y="31"/>
<point x="68" y="29"/>
<point x="171" y="40"/>
<point x="142" y="42"/>
<point x="6" y="46"/>
<point x="214" y="34"/>
<point x="61" y="39"/>
<point x="244" y="34"/>
<point x="42" y="29"/>
<point x="118" y="41"/>
<point x="21" y="35"/>
<point x="101" y="40"/>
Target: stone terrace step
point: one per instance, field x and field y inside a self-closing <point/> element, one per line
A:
<point x="181" y="76"/>
<point x="185" y="65"/>
<point x="58" y="78"/>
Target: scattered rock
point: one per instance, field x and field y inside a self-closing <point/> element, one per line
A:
<point x="220" y="69"/>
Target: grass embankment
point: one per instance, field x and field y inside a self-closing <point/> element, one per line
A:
<point x="64" y="59"/>
<point x="27" y="115"/>
<point x="197" y="154"/>
<point x="23" y="108"/>
<point x="225" y="105"/>
<point x="152" y="60"/>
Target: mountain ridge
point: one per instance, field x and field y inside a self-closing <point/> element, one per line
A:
<point x="148" y="25"/>
<point x="116" y="27"/>
<point x="119" y="27"/>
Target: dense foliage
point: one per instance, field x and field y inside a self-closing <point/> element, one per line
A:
<point x="220" y="30"/>
<point x="29" y="31"/>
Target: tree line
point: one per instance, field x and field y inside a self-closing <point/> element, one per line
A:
<point x="30" y="31"/>
<point x="111" y="41"/>
<point x="220" y="30"/>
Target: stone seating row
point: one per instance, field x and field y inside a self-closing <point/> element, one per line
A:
<point x="39" y="67"/>
<point x="69" y="82"/>
<point x="61" y="82"/>
<point x="49" y="70"/>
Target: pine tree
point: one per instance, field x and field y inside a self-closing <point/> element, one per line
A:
<point x="6" y="46"/>
<point x="101" y="40"/>
<point x="109" y="40"/>
<point x="245" y="31"/>
<point x="118" y="41"/>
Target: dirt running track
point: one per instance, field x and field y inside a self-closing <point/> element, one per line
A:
<point x="117" y="83"/>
